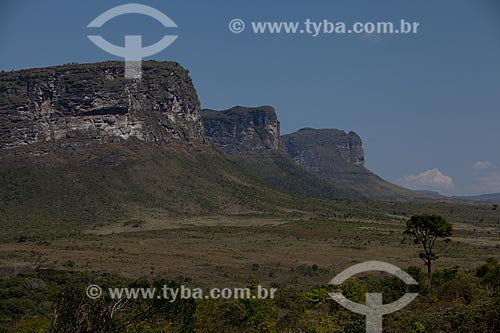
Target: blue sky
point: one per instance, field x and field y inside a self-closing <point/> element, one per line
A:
<point x="426" y="105"/>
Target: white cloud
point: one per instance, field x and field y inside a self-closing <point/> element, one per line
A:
<point x="483" y="165"/>
<point x="432" y="179"/>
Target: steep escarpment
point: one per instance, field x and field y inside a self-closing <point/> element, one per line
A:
<point x="325" y="151"/>
<point x="242" y="130"/>
<point x="251" y="138"/>
<point x="81" y="146"/>
<point x="95" y="103"/>
<point x="338" y="157"/>
<point x="324" y="163"/>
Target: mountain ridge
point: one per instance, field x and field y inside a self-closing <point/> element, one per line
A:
<point x="95" y="103"/>
<point x="330" y="160"/>
<point x="68" y="162"/>
<point x="250" y="137"/>
<point x="489" y="197"/>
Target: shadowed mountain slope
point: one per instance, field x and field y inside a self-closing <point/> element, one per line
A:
<point x="251" y="138"/>
<point x="325" y="163"/>
<point x="338" y="157"/>
<point x="81" y="146"/>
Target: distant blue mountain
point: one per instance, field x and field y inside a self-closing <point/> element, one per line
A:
<point x="428" y="192"/>
<point x="492" y="197"/>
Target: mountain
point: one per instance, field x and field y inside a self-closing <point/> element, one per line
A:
<point x="338" y="157"/>
<point x="81" y="146"/>
<point x="326" y="163"/>
<point x="435" y="193"/>
<point x="250" y="136"/>
<point x="95" y="103"/>
<point x="492" y="197"/>
<point x="242" y="130"/>
<point x="325" y="151"/>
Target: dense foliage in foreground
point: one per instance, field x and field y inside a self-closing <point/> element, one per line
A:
<point x="450" y="301"/>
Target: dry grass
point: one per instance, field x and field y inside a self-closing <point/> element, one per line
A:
<point x="238" y="251"/>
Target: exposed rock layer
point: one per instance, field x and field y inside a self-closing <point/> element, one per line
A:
<point x="94" y="102"/>
<point x="325" y="151"/>
<point x="251" y="138"/>
<point x="338" y="157"/>
<point x="243" y="130"/>
<point x="315" y="162"/>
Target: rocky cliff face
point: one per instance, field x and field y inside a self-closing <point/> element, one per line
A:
<point x="338" y="157"/>
<point x="251" y="138"/>
<point x="68" y="110"/>
<point x="243" y="130"/>
<point x="95" y="103"/>
<point x="324" y="151"/>
<point x="82" y="146"/>
<point x="325" y="163"/>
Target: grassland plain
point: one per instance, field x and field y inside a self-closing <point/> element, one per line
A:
<point x="239" y="250"/>
<point x="298" y="256"/>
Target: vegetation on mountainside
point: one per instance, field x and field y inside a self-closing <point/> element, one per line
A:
<point x="276" y="169"/>
<point x="60" y="195"/>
